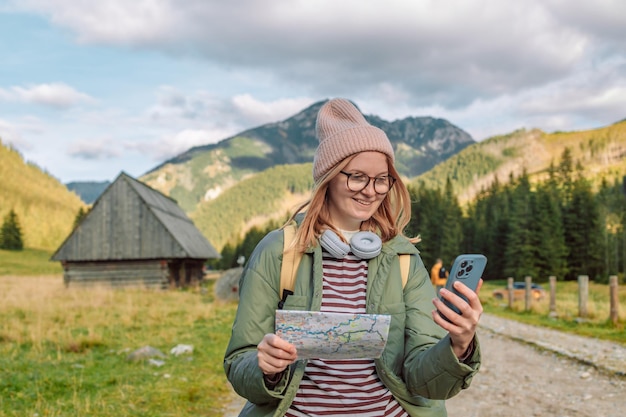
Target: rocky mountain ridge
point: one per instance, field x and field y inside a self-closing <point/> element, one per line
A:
<point x="204" y="172"/>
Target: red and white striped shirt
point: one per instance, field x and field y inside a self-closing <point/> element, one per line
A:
<point x="350" y="386"/>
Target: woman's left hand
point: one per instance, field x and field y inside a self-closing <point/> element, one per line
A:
<point x="461" y="327"/>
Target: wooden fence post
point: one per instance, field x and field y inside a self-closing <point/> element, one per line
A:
<point x="583" y="295"/>
<point x="528" y="294"/>
<point x="509" y="286"/>
<point x="552" y="296"/>
<point x="613" y="290"/>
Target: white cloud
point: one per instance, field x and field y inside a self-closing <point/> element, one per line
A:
<point x="10" y="135"/>
<point x="169" y="146"/>
<point x="596" y="91"/>
<point x="204" y="110"/>
<point x="94" y="149"/>
<point x="57" y="95"/>
<point x="174" y="105"/>
<point x="446" y="52"/>
<point x="111" y="22"/>
<point x="488" y="66"/>
<point x="603" y="19"/>
<point x="254" y="112"/>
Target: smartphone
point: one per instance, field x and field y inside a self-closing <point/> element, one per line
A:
<point x="467" y="268"/>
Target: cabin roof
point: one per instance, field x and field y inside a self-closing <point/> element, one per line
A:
<point x="131" y="220"/>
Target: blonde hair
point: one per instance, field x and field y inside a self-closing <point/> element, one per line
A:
<point x="392" y="216"/>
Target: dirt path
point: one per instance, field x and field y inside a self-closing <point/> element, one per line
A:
<point x="521" y="379"/>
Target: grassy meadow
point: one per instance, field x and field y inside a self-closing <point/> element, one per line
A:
<point x="63" y="352"/>
<point x="28" y="262"/>
<point x="596" y="324"/>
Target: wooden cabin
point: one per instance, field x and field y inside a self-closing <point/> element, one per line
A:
<point x="134" y="235"/>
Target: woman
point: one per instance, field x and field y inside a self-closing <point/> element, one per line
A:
<point x="426" y="359"/>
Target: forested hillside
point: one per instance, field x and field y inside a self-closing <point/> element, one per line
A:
<point x="267" y="196"/>
<point x="559" y="226"/>
<point x="45" y="208"/>
<point x="601" y="153"/>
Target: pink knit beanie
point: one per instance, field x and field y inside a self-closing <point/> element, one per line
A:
<point x="343" y="131"/>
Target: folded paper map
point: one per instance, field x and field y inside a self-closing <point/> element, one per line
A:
<point x="334" y="335"/>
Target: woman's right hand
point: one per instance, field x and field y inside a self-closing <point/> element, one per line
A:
<point x="275" y="354"/>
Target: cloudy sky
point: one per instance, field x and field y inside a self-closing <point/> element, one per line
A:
<point x="91" y="88"/>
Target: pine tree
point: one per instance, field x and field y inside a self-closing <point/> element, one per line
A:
<point x="229" y="257"/>
<point x="11" y="233"/>
<point x="82" y="213"/>
<point x="250" y="241"/>
<point x="583" y="234"/>
<point x="563" y="174"/>
<point x="612" y="203"/>
<point x="519" y="255"/>
<point x="451" y="228"/>
<point x="486" y="227"/>
<point x="427" y="218"/>
<point x="550" y="249"/>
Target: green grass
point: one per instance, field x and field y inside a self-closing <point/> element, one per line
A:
<point x="596" y="324"/>
<point x="63" y="352"/>
<point x="28" y="262"/>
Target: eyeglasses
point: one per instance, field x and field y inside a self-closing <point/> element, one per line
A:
<point x="357" y="182"/>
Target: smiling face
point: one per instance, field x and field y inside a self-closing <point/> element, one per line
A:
<point x="348" y="208"/>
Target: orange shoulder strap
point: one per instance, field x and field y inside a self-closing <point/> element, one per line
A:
<point x="405" y="263"/>
<point x="291" y="260"/>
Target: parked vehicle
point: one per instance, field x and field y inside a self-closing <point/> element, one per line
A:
<point x="519" y="292"/>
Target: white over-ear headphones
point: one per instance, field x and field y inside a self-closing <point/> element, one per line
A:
<point x="364" y="244"/>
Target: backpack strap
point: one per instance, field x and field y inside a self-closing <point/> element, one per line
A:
<point x="291" y="260"/>
<point x="292" y="257"/>
<point x="405" y="263"/>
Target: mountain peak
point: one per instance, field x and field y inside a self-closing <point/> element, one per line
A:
<point x="205" y="171"/>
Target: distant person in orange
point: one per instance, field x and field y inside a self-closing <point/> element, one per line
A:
<point x="438" y="275"/>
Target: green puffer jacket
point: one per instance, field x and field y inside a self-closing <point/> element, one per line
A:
<point x="418" y="364"/>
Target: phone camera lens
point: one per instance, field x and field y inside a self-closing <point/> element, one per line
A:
<point x="460" y="273"/>
<point x="469" y="268"/>
<point x="463" y="264"/>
